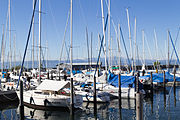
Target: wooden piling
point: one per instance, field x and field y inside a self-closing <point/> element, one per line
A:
<point x="164" y="79"/>
<point x="174" y="91"/>
<point x="151" y="84"/>
<point x="21" y="101"/>
<point x="72" y="99"/>
<point x="139" y="107"/>
<point x="119" y="82"/>
<point x="120" y="115"/>
<point x="164" y="98"/>
<point x="137" y="83"/>
<point x="95" y="101"/>
<point x="21" y="93"/>
<point x="174" y="77"/>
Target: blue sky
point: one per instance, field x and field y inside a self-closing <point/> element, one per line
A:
<point x="160" y="15"/>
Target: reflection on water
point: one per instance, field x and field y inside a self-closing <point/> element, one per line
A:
<point x="161" y="106"/>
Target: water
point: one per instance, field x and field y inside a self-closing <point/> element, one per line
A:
<point x="162" y="107"/>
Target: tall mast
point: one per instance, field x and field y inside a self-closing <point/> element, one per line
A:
<point x="33" y="40"/>
<point x="156" y="45"/>
<point x="46" y="54"/>
<point x="119" y="49"/>
<point x="10" y="55"/>
<point x="2" y="51"/>
<point x="39" y="41"/>
<point x="14" y="51"/>
<point x="168" y="48"/>
<point x="143" y="47"/>
<point x="130" y="37"/>
<point x="109" y="30"/>
<point x="71" y="55"/>
<point x="135" y="45"/>
<point x="91" y="48"/>
<point x="104" y="36"/>
<point x="87" y="46"/>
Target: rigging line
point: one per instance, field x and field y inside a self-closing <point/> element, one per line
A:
<point x="43" y="54"/>
<point x="175" y="44"/>
<point x="125" y="46"/>
<point x="148" y="48"/>
<point x="67" y="21"/>
<point x="101" y="45"/>
<point x="27" y="43"/>
<point x="83" y="15"/>
<point x="53" y="19"/>
<point x="174" y="47"/>
<point x="87" y="45"/>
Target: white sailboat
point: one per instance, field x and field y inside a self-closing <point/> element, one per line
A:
<point x="51" y="94"/>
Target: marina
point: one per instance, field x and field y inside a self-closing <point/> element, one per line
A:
<point x="125" y="72"/>
<point x="160" y="108"/>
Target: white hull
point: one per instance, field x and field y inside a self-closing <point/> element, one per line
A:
<point x="34" y="99"/>
<point x="88" y="97"/>
<point x="126" y="92"/>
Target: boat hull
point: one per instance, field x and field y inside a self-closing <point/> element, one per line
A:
<point x="39" y="101"/>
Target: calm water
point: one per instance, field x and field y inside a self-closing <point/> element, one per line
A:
<point x="160" y="108"/>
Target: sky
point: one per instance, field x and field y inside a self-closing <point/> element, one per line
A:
<point x="155" y="17"/>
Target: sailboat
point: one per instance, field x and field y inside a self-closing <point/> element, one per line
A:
<point x="50" y="94"/>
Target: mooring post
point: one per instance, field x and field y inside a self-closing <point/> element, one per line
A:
<point x="151" y="79"/>
<point x="151" y="84"/>
<point x="72" y="98"/>
<point x="119" y="89"/>
<point x="21" y="101"/>
<point x="137" y="83"/>
<point x="139" y="104"/>
<point x="174" y="90"/>
<point x="120" y="115"/>
<point x="174" y="76"/>
<point x="95" y="104"/>
<point x="164" y="79"/>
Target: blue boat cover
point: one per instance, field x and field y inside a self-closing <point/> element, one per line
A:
<point x="158" y="77"/>
<point x="126" y="81"/>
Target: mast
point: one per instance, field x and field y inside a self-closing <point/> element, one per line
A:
<point x="135" y="45"/>
<point x="156" y="46"/>
<point x="87" y="46"/>
<point x="168" y="48"/>
<point x="33" y="40"/>
<point x="46" y="54"/>
<point x="104" y="36"/>
<point x="91" y="48"/>
<point x="119" y="49"/>
<point x="71" y="55"/>
<point x="2" y="51"/>
<point x="39" y="41"/>
<point x="143" y="47"/>
<point x="14" y="51"/>
<point x="10" y="55"/>
<point x="109" y="34"/>
<point x="130" y="37"/>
